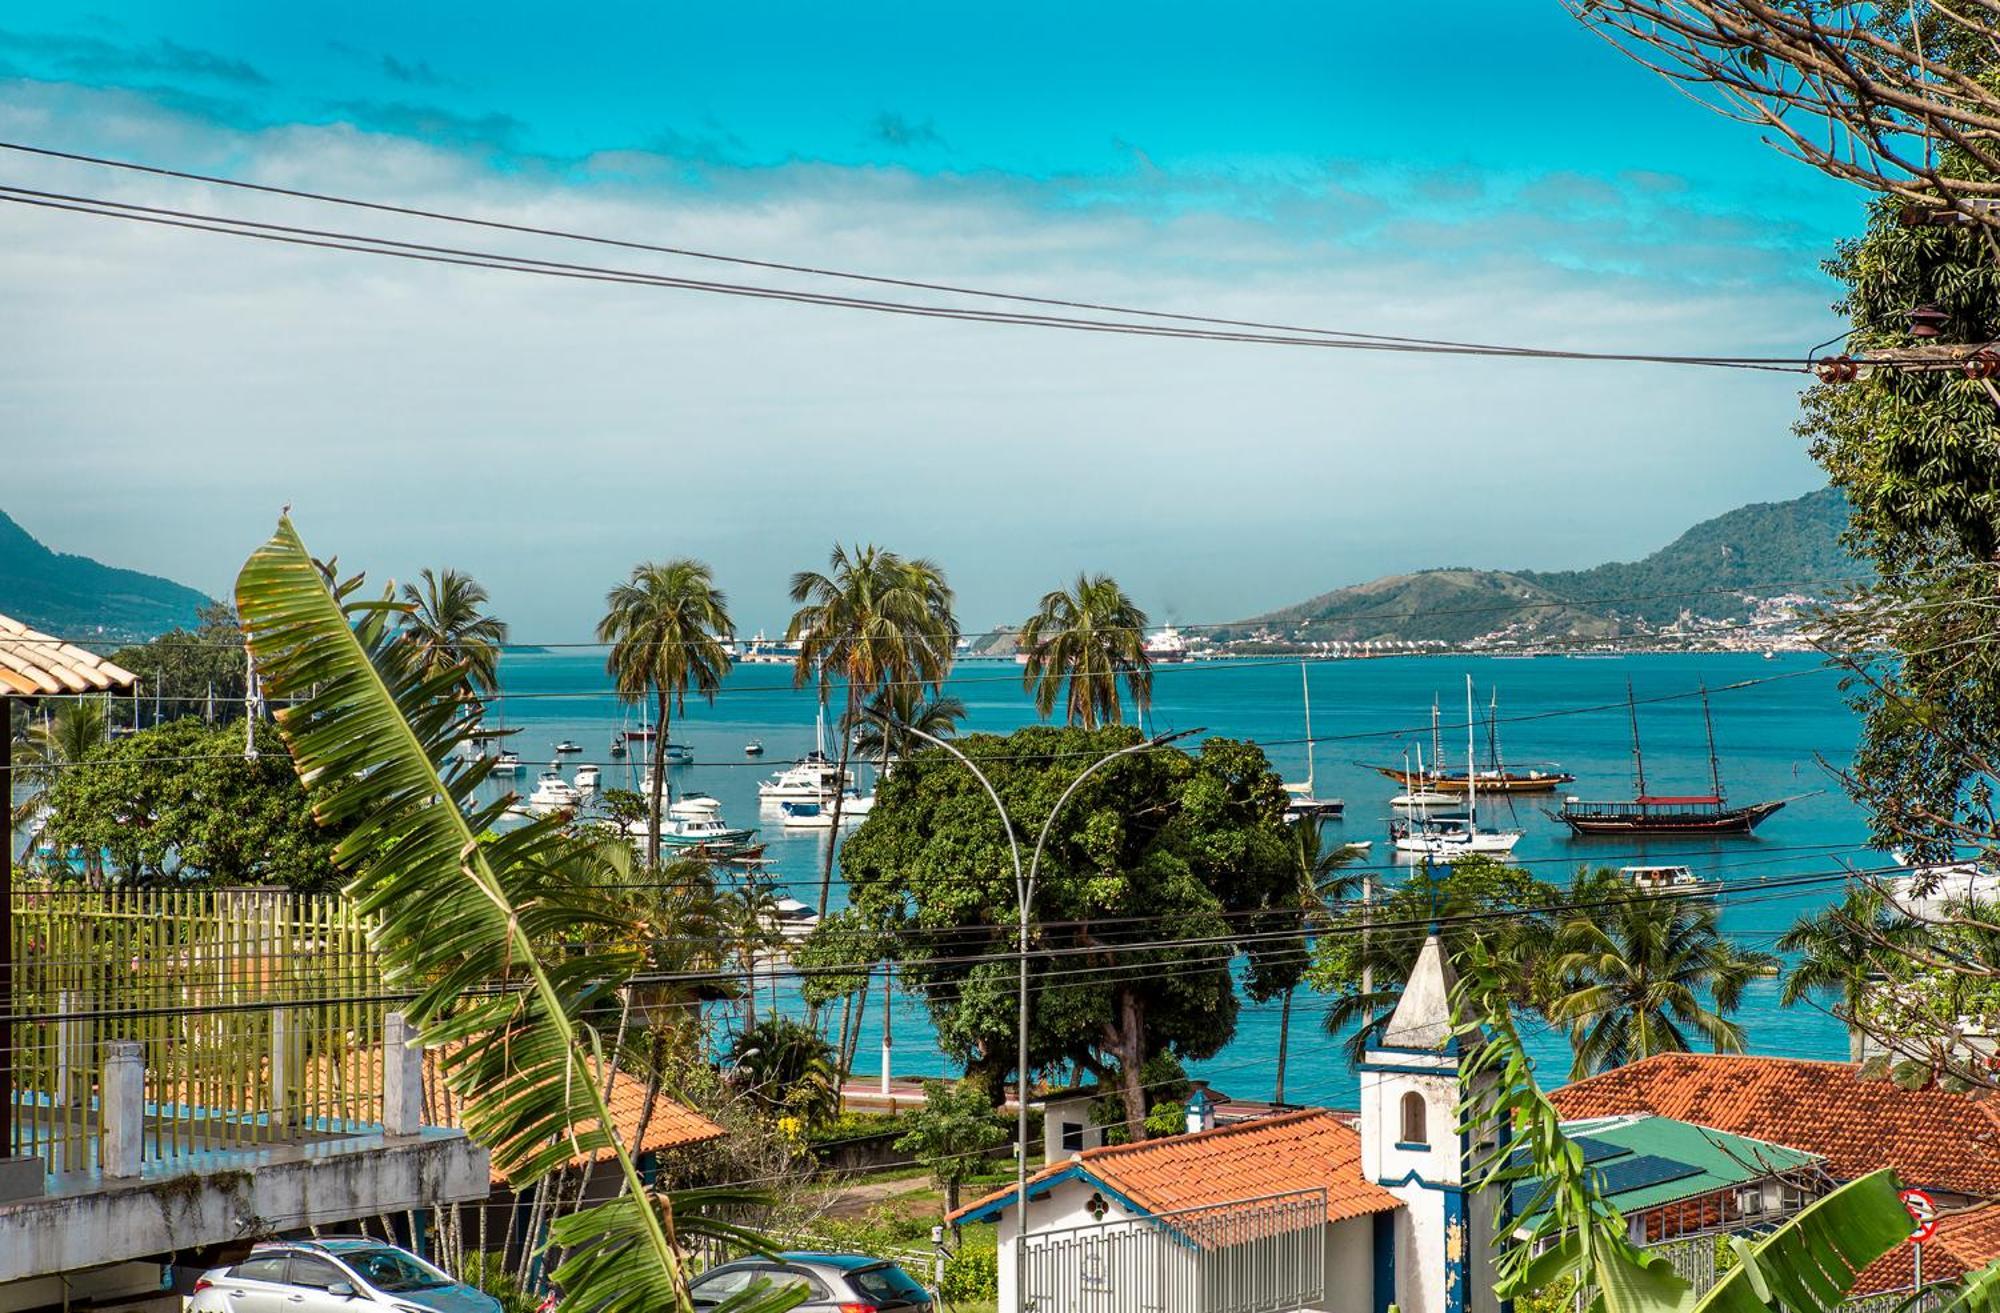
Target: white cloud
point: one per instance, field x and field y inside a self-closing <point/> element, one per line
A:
<point x="162" y="393"/>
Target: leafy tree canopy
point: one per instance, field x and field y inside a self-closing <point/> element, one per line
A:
<point x="179" y="669"/>
<point x="181" y="803"/>
<point x="1160" y="845"/>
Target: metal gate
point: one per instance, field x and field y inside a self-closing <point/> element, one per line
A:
<point x="1263" y="1255"/>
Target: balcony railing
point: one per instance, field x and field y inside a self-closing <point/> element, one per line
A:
<point x="258" y="1015"/>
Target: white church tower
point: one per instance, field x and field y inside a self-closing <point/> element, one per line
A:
<point x="1435" y="1252"/>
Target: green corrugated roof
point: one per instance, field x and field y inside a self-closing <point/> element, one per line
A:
<point x="1696" y="1159"/>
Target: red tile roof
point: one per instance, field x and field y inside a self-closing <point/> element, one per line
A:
<point x="1965" y="1242"/>
<point x="1932" y="1138"/>
<point x="1292" y="1152"/>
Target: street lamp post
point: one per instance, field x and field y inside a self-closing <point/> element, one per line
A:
<point x="1024" y="896"/>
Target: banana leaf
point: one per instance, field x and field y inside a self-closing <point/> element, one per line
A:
<point x="1980" y="1293"/>
<point x="1809" y="1263"/>
<point x="501" y="935"/>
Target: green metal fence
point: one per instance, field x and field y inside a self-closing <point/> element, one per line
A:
<point x="259" y="1012"/>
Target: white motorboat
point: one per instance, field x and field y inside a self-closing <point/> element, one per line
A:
<point x="568" y="746"/>
<point x="696" y="822"/>
<point x="1422" y="800"/>
<point x="1680" y="881"/>
<point x="587" y="779"/>
<point x="810" y="779"/>
<point x="817" y="814"/>
<point x="506" y="763"/>
<point x="553" y="793"/>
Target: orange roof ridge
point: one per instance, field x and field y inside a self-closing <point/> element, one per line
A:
<point x="1215" y="1132"/>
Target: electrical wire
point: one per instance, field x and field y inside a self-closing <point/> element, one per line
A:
<point x="1355" y="338"/>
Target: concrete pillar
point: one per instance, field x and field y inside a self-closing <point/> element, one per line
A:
<point x="402" y="1076"/>
<point x="283" y="1077"/>
<point x="123" y="1103"/>
<point x="888" y="1039"/>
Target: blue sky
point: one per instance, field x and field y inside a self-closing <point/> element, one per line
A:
<point x="1460" y="170"/>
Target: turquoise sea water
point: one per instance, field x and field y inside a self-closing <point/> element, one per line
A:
<point x="1773" y="737"/>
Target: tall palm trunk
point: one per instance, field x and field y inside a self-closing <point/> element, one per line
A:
<point x="839" y="794"/>
<point x="1284" y="1040"/>
<point x="658" y="790"/>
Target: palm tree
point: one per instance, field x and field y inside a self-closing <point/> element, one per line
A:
<point x="882" y="730"/>
<point x="1092" y="636"/>
<point x="668" y="626"/>
<point x="70" y="736"/>
<point x="873" y="620"/>
<point x="447" y="624"/>
<point x="1633" y="980"/>
<point x="1321" y="882"/>
<point x="1840" y="952"/>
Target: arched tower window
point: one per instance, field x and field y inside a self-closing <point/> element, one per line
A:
<point x="1414" y="1112"/>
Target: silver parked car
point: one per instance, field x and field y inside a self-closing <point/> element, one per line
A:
<point x="832" y="1283"/>
<point x="334" y="1276"/>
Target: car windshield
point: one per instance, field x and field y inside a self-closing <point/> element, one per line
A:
<point x="887" y="1282"/>
<point x="393" y="1271"/>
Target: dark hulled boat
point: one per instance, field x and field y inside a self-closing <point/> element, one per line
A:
<point x="1652" y="813"/>
<point x="1495" y="778"/>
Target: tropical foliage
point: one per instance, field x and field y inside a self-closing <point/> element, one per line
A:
<point x="950" y="1135"/>
<point x="184" y="804"/>
<point x="189" y="672"/>
<point x="52" y="745"/>
<point x="1840" y="951"/>
<point x="1564" y="1231"/>
<point x="786" y="1068"/>
<point x="450" y="628"/>
<point x="1649" y="975"/>
<point x="1319" y="865"/>
<point x="893" y="722"/>
<point x="668" y="627"/>
<point x="1079" y="645"/>
<point x="873" y="620"/>
<point x="1159" y="846"/>
<point x="513" y="940"/>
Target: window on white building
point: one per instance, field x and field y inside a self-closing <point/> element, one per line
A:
<point x="1414" y="1113"/>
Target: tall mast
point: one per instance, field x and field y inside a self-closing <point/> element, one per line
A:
<point x="1638" y="761"/>
<point x="1305" y="685"/>
<point x="1437" y="742"/>
<point x="1471" y="775"/>
<point x="1493" y="733"/>
<point x="1714" y="766"/>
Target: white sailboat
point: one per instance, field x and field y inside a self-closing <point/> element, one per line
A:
<point x="812" y="778"/>
<point x="1441" y="839"/>
<point x="1302" y="804"/>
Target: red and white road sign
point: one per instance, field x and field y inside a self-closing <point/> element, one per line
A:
<point x="1923" y="1211"/>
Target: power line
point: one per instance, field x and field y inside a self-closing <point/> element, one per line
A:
<point x="1357" y="338"/>
<point x="363" y="244"/>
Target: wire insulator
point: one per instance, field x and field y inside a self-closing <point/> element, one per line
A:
<point x="1836" y="369"/>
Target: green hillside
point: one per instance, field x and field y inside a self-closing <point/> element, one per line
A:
<point x="75" y="596"/>
<point x="1716" y="569"/>
<point x="1764" y="549"/>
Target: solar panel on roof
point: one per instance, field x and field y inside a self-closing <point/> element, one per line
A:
<point x="1596" y="1150"/>
<point x="1645" y="1170"/>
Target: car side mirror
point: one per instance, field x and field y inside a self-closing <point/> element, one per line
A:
<point x="341" y="1290"/>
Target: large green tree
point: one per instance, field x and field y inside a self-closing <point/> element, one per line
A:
<point x="1159" y="869"/>
<point x="871" y="620"/>
<point x="56" y="741"/>
<point x="1844" y="951"/>
<point x="1080" y="644"/>
<point x="184" y="803"/>
<point x="667" y="626"/>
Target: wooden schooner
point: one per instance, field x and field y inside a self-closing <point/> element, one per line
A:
<point x="1651" y="813"/>
<point x="1495" y="778"/>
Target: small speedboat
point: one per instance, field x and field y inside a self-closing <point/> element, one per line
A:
<point x="618" y="747"/>
<point x="586" y="779"/>
<point x="816" y="815"/>
<point x="811" y="779"/>
<point x="507" y="763"/>
<point x="568" y="746"/>
<point x="753" y="749"/>
<point x="679" y="754"/>
<point x="696" y="822"/>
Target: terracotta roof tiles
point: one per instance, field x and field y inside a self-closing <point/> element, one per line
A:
<point x="1965" y="1242"/>
<point x="1286" y="1154"/>
<point x="1930" y="1137"/>
<point x="32" y="662"/>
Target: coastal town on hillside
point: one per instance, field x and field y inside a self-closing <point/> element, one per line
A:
<point x="667" y="660"/>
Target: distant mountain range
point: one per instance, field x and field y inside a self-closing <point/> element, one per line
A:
<point x="75" y="596"/>
<point x="1720" y="569"/>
